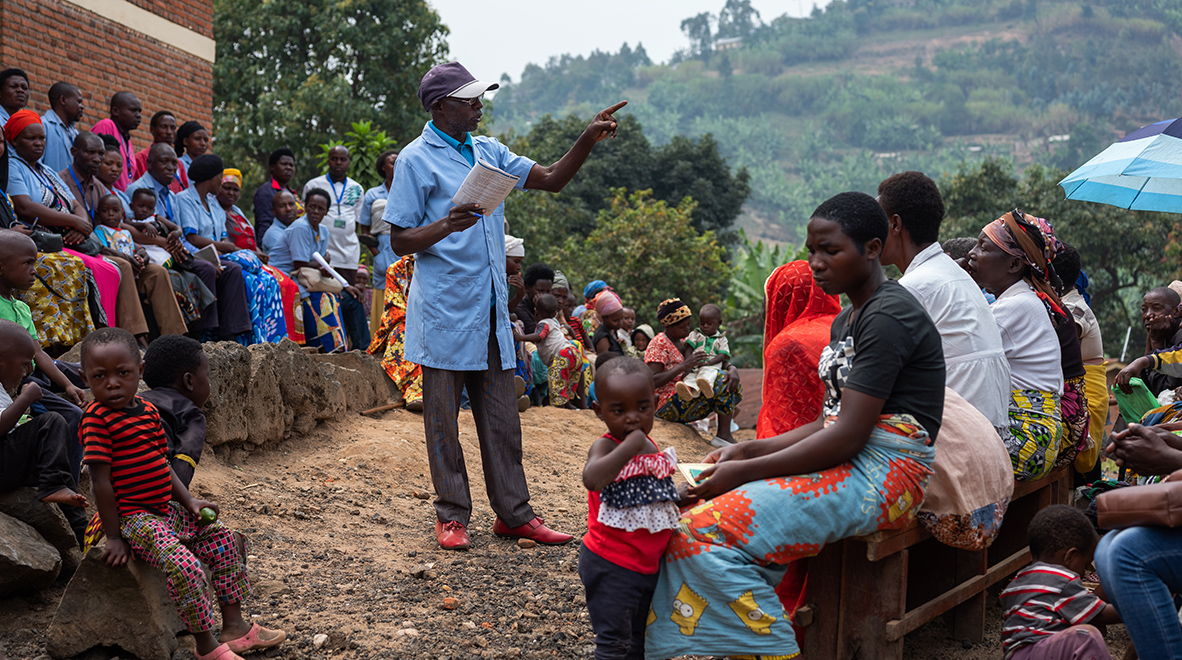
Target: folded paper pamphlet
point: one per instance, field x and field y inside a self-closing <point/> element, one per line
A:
<point x="486" y="186"/>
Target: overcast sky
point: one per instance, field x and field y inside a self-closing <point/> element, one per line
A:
<point x="491" y="38"/>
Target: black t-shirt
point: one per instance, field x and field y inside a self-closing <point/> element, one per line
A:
<point x="613" y="344"/>
<point x="525" y="314"/>
<point x="891" y="351"/>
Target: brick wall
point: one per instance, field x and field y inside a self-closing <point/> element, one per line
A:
<point x="55" y="41"/>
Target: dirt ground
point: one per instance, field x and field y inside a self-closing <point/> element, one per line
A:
<point x="340" y="526"/>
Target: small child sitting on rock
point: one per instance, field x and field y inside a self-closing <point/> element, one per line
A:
<point x="712" y="341"/>
<point x="32" y="451"/>
<point x="177" y="370"/>
<point x="631" y="509"/>
<point x="1050" y="614"/>
<point x="145" y="509"/>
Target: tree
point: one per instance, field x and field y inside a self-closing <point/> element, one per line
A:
<point x="744" y="309"/>
<point x="298" y="74"/>
<point x="1124" y="253"/>
<point x="648" y="251"/>
<point x="738" y="19"/>
<point x="365" y="145"/>
<point x="697" y="30"/>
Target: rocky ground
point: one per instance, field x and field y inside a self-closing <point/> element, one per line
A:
<point x="343" y="556"/>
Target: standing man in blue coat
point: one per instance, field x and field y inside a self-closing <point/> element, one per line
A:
<point x="457" y="323"/>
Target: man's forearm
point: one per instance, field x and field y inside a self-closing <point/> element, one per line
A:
<point x="409" y="241"/>
<point x="555" y="177"/>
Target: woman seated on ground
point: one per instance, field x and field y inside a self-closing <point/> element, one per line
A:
<point x="1139" y="566"/>
<point x="41" y="198"/>
<point x="670" y="359"/>
<point x="1009" y="260"/>
<point x="862" y="465"/>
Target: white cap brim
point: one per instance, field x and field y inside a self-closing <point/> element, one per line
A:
<point x="473" y="89"/>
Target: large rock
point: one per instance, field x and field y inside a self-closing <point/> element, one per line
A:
<point x="376" y="386"/>
<point x="24" y="505"/>
<point x="27" y="561"/>
<point x="124" y="607"/>
<point x="229" y="377"/>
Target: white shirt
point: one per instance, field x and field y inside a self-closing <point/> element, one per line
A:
<point x="5" y="400"/>
<point x="975" y="361"/>
<point x="344" y="208"/>
<point x="1091" y="345"/>
<point x="1031" y="345"/>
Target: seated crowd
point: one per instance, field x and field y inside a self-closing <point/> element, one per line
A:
<point x="140" y="255"/>
<point x="152" y="240"/>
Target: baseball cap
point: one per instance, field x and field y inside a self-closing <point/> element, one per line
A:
<point x="453" y="80"/>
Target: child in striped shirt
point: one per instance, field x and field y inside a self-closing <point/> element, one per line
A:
<point x="1050" y="615"/>
<point x="146" y="509"/>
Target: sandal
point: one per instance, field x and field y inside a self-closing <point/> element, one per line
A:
<point x="222" y="652"/>
<point x="251" y="642"/>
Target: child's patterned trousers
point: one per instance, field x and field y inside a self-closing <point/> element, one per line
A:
<point x="176" y="544"/>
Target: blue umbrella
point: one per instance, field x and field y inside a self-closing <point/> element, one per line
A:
<point x="1142" y="172"/>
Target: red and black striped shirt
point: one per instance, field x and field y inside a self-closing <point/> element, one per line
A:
<point x="133" y="442"/>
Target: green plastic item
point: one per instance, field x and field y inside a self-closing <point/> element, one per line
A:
<point x="1134" y="405"/>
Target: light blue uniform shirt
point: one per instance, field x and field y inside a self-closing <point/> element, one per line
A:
<point x="194" y="219"/>
<point x="275" y="245"/>
<point x="301" y="242"/>
<point x="22" y="180"/>
<point x="385" y="255"/>
<point x="447" y="316"/>
<point x="58" y="140"/>
<point x="166" y="199"/>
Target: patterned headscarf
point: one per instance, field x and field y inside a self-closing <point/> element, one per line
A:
<point x="593" y="287"/>
<point x="1033" y="241"/>
<point x="560" y="281"/>
<point x="607" y="303"/>
<point x="231" y="174"/>
<point x="792" y="295"/>
<point x="672" y="311"/>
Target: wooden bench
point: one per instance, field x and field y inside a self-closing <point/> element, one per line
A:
<point x="864" y="594"/>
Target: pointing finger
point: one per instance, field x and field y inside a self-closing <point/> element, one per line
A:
<point x="616" y="107"/>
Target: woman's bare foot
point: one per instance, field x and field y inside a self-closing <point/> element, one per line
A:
<point x="65" y="496"/>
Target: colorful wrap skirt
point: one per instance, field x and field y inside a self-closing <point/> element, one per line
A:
<point x="322" y="321"/>
<point x="716" y="592"/>
<point x="570" y="368"/>
<point x="1035" y="433"/>
<point x="1096" y="389"/>
<point x="59" y="299"/>
<point x="1076" y="420"/>
<point x="724" y="403"/>
<point x="389" y="338"/>
<point x="264" y="299"/>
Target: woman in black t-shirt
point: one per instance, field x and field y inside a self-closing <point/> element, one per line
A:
<point x="861" y="467"/>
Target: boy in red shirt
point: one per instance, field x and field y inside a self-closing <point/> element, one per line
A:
<point x="146" y="509"/>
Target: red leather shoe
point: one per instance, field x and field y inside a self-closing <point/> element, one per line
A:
<point x="451" y="535"/>
<point x="535" y="530"/>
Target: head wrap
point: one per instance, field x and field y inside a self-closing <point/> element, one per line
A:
<point x="514" y="247"/>
<point x="593" y="287"/>
<point x="232" y="175"/>
<point x="793" y="296"/>
<point x="672" y="311"/>
<point x="560" y="281"/>
<point x="19" y="121"/>
<point x="188" y="128"/>
<point x="206" y="167"/>
<point x="1081" y="285"/>
<point x="1012" y="233"/>
<point x="646" y="329"/>
<point x="607" y="303"/>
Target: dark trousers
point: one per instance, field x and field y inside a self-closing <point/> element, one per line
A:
<point x="35" y="454"/>
<point x="618" y="601"/>
<point x="51" y="402"/>
<point x="230" y="314"/>
<point x="356" y="321"/>
<point x="498" y="427"/>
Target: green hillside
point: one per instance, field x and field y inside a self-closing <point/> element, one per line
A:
<point x="841" y="99"/>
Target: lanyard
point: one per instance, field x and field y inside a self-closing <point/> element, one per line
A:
<point x="344" y="187"/>
<point x="43" y="180"/>
<point x="81" y="193"/>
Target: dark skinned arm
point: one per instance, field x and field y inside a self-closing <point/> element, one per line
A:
<point x="533" y="339"/>
<point x="47" y="366"/>
<point x="663" y="376"/>
<point x="116" y="551"/>
<point x="1147" y="450"/>
<point x="605" y="459"/>
<point x="818" y="451"/>
<point x="1107" y="616"/>
<point x="604" y="344"/>
<point x="28" y="210"/>
<point x="517" y="286"/>
<point x="555" y="177"/>
<point x="182" y="496"/>
<point x="409" y="241"/>
<point x="223" y="247"/>
<point x="30" y="394"/>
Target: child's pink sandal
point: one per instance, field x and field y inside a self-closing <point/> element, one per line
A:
<point x="222" y="652"/>
<point x="252" y="642"/>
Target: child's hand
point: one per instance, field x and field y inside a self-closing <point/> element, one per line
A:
<point x="194" y="506"/>
<point x="147" y="228"/>
<point x="31" y="393"/>
<point x="116" y="552"/>
<point x="684" y="499"/>
<point x="76" y="395"/>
